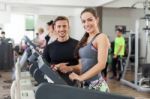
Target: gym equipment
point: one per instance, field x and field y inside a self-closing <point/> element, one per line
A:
<point x="27" y="53"/>
<point x="46" y="70"/>
<point x="141" y="69"/>
<point x="53" y="91"/>
<point x="43" y="69"/>
<point x="39" y="76"/>
<point x="32" y="61"/>
<point x="21" y="88"/>
<point x="6" y="54"/>
<point x="33" y="67"/>
<point x="29" y="42"/>
<point x="138" y="67"/>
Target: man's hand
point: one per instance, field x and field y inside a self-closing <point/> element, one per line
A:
<point x="64" y="68"/>
<point x="55" y="67"/>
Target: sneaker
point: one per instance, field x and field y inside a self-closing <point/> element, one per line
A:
<point x="120" y="75"/>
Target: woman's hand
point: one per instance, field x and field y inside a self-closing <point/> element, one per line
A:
<point x="74" y="76"/>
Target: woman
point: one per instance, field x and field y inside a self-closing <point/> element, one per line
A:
<point x="92" y="51"/>
<point x="51" y="36"/>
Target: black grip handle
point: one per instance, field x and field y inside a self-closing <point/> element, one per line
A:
<point x="78" y="83"/>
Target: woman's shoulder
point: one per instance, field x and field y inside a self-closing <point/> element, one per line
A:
<point x="103" y="39"/>
<point x="102" y="36"/>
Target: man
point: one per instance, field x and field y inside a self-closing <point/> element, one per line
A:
<point x="62" y="49"/>
<point x="119" y="51"/>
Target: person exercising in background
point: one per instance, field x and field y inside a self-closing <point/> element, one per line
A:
<point x="62" y="49"/>
<point x="92" y="52"/>
<point x="41" y="39"/>
<point x="35" y="40"/>
<point x="119" y="51"/>
<point x="51" y="36"/>
<point x="3" y="35"/>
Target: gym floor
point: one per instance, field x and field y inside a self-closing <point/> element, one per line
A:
<point x="115" y="87"/>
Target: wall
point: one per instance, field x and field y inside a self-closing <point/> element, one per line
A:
<point x="112" y="17"/>
<point x="4" y="14"/>
<point x="43" y="14"/>
<point x="15" y="29"/>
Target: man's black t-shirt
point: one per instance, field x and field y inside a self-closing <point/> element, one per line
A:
<point x="61" y="52"/>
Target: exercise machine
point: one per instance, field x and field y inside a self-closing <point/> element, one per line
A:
<point x="54" y="91"/>
<point x="141" y="65"/>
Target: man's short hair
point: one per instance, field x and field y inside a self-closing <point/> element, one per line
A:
<point x="119" y="30"/>
<point x="61" y="18"/>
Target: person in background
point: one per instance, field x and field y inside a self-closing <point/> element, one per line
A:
<point x="92" y="52"/>
<point x="119" y="51"/>
<point x="51" y="36"/>
<point x="3" y="35"/>
<point x="62" y="49"/>
<point x="41" y="40"/>
<point x="35" y="40"/>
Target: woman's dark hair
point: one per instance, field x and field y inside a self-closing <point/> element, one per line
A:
<point x="83" y="40"/>
<point x="50" y="23"/>
<point x="90" y="10"/>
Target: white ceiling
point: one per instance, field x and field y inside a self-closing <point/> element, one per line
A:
<point x="75" y="3"/>
<point x="126" y="3"/>
<point x="70" y="3"/>
<point x="35" y="6"/>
